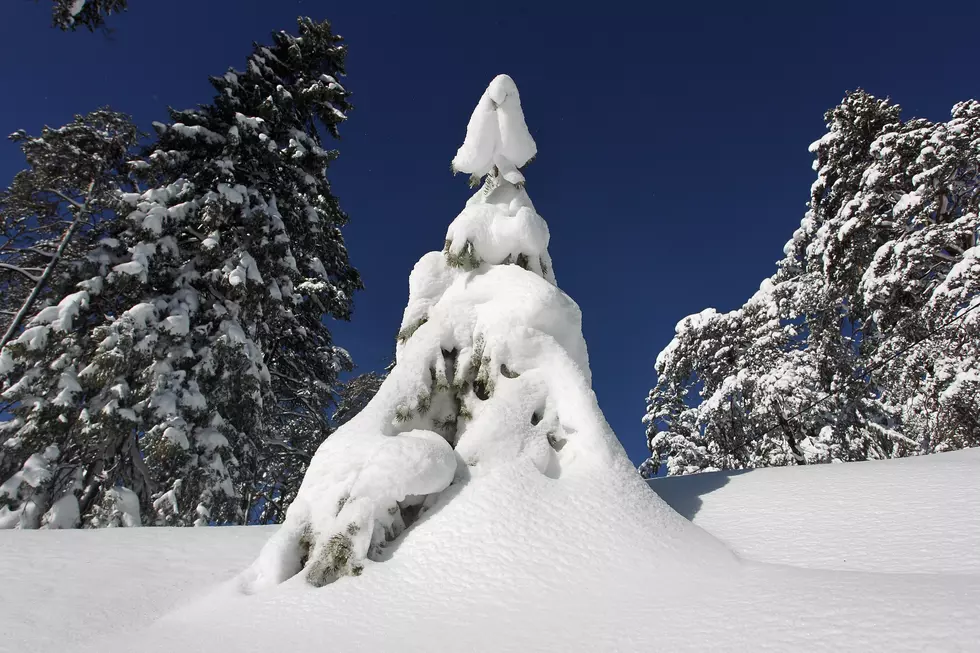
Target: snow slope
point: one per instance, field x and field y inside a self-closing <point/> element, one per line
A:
<point x="909" y="515"/>
<point x="60" y="587"/>
<point x="571" y="580"/>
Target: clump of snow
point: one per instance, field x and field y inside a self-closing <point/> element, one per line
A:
<point x="64" y="513"/>
<point x="125" y="506"/>
<point x="21" y="488"/>
<point x="497" y="135"/>
<point x="499" y="225"/>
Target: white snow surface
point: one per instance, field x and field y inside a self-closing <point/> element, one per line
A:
<point x="62" y="588"/>
<point x="549" y="570"/>
<point x="911" y="515"/>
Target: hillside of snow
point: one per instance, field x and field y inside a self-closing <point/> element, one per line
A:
<point x="567" y="578"/>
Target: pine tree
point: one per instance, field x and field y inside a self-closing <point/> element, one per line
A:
<point x="922" y="287"/>
<point x="215" y="285"/>
<point x="90" y="14"/>
<point x="55" y="209"/>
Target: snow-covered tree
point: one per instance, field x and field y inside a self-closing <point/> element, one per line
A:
<point x="52" y="213"/>
<point x="69" y="15"/>
<point x="491" y="383"/>
<point x="56" y="208"/>
<point x="214" y="286"/>
<point x="838" y="357"/>
<point x="923" y="284"/>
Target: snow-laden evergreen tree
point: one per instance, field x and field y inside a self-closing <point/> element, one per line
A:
<point x="213" y="352"/>
<point x="490" y="394"/>
<point x="57" y="207"/>
<point x="69" y="15"/>
<point x="52" y="213"/>
<point x="838" y="356"/>
<point x="923" y="283"/>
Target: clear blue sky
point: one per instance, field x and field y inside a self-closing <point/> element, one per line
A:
<point x="672" y="162"/>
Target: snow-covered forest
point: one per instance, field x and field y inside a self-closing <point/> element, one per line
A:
<point x="865" y="343"/>
<point x="189" y="459"/>
<point x="166" y="359"/>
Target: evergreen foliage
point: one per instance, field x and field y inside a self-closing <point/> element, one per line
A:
<point x="53" y="213"/>
<point x="56" y="208"/>
<point x="207" y="355"/>
<point x="69" y="15"/>
<point x="864" y="344"/>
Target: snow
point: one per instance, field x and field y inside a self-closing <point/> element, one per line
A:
<point x="910" y="515"/>
<point x="127" y="503"/>
<point x="500" y="223"/>
<point x="512" y="565"/>
<point x="62" y="587"/>
<point x="64" y="513"/>
<point x="497" y="134"/>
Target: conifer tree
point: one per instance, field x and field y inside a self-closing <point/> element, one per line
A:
<point x="69" y="15"/>
<point x="56" y="208"/>
<point x="491" y="372"/>
<point x="854" y="321"/>
<point x="52" y="214"/>
<point x="215" y="284"/>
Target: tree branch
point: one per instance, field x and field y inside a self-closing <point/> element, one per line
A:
<point x="19" y="270"/>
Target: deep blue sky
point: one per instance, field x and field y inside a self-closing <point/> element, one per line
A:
<point x="672" y="163"/>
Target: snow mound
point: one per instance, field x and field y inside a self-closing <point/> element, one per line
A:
<point x="497" y="135"/>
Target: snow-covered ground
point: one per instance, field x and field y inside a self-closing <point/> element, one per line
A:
<point x="59" y="588"/>
<point x="482" y="573"/>
<point x="913" y="515"/>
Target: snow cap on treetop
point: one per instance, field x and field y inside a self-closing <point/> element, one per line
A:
<point x="496" y="134"/>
